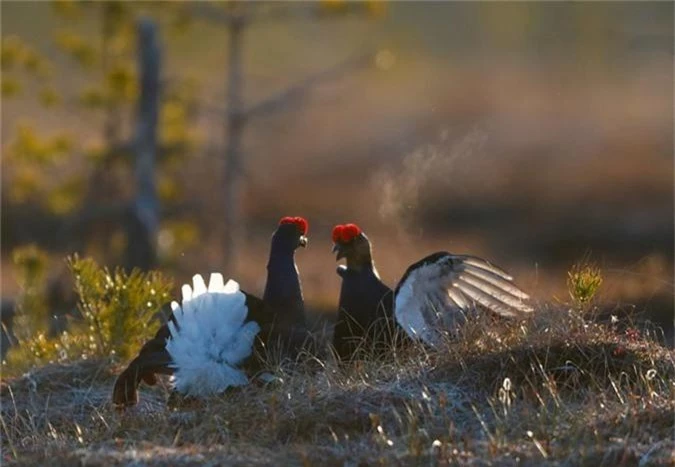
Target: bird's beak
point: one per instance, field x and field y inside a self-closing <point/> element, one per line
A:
<point x="303" y="241"/>
<point x="337" y="248"/>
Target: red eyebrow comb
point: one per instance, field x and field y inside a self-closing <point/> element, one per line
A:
<point x="301" y="222"/>
<point x="345" y="233"/>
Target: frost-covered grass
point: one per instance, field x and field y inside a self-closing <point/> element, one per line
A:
<point x="556" y="389"/>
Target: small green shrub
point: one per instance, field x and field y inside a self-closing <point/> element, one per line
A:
<point x="39" y="350"/>
<point x="118" y="307"/>
<point x="583" y="282"/>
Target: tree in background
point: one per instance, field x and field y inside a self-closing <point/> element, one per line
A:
<point x="237" y="17"/>
<point x="92" y="191"/>
<point x="87" y="186"/>
<point x="103" y="194"/>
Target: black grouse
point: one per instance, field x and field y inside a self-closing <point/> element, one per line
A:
<point x="432" y="299"/>
<point x="208" y="340"/>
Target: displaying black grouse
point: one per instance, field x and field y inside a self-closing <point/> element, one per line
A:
<point x="209" y="338"/>
<point x="432" y="299"/>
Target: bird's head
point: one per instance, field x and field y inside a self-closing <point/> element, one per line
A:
<point x="291" y="233"/>
<point x="352" y="244"/>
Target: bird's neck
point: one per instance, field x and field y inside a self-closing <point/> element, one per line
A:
<point x="362" y="263"/>
<point x="283" y="283"/>
<point x="279" y="256"/>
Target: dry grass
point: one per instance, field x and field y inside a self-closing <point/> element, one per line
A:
<point x="555" y="389"/>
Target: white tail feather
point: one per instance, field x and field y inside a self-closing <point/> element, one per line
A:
<point x="211" y="337"/>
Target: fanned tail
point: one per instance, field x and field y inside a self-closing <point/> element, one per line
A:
<point x="210" y="337"/>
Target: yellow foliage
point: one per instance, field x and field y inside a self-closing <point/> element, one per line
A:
<point x="10" y="52"/>
<point x="376" y="8"/>
<point x="61" y="143"/>
<point x="94" y="151"/>
<point x="31" y="352"/>
<point x="25" y="184"/>
<point x="121" y="82"/>
<point x="61" y="202"/>
<point x="94" y="98"/>
<point x="67" y="8"/>
<point x="67" y="40"/>
<point x="79" y="48"/>
<point x="124" y="40"/>
<point x="44" y="69"/>
<point x="175" y="236"/>
<point x="167" y="189"/>
<point x="116" y="13"/>
<point x="583" y="282"/>
<point x="185" y="233"/>
<point x="118" y="307"/>
<point x="173" y="123"/>
<point x="49" y="97"/>
<point x="30" y="324"/>
<point x="31" y="60"/>
<point x="181" y="20"/>
<point x="27" y="145"/>
<point x="32" y="158"/>
<point x="10" y="86"/>
<point x="85" y="55"/>
<point x="40" y="350"/>
<point x="333" y="5"/>
<point x="173" y="112"/>
<point x="31" y="264"/>
<point x="66" y="197"/>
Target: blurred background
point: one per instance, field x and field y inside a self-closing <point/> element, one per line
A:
<point x="535" y="135"/>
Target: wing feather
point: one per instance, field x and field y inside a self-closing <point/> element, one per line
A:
<point x="494" y="292"/>
<point x="437" y="293"/>
<point x="458" y="298"/>
<point x="495" y="280"/>
<point x="482" y="264"/>
<point x="485" y="299"/>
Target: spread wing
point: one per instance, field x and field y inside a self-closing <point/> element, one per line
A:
<point x="437" y="293"/>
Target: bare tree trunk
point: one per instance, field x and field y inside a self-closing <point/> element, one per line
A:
<point x="236" y="120"/>
<point x="112" y="124"/>
<point x="143" y="216"/>
<point x="236" y="20"/>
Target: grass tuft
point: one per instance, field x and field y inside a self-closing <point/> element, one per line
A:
<point x="583" y="282"/>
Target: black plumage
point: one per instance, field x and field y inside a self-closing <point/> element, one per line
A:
<point x="280" y="316"/>
<point x="431" y="301"/>
<point x="365" y="311"/>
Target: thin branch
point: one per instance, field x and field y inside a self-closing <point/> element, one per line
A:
<point x="208" y="12"/>
<point x="271" y="12"/>
<point x="287" y="96"/>
<point x="293" y="93"/>
<point x="285" y="11"/>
